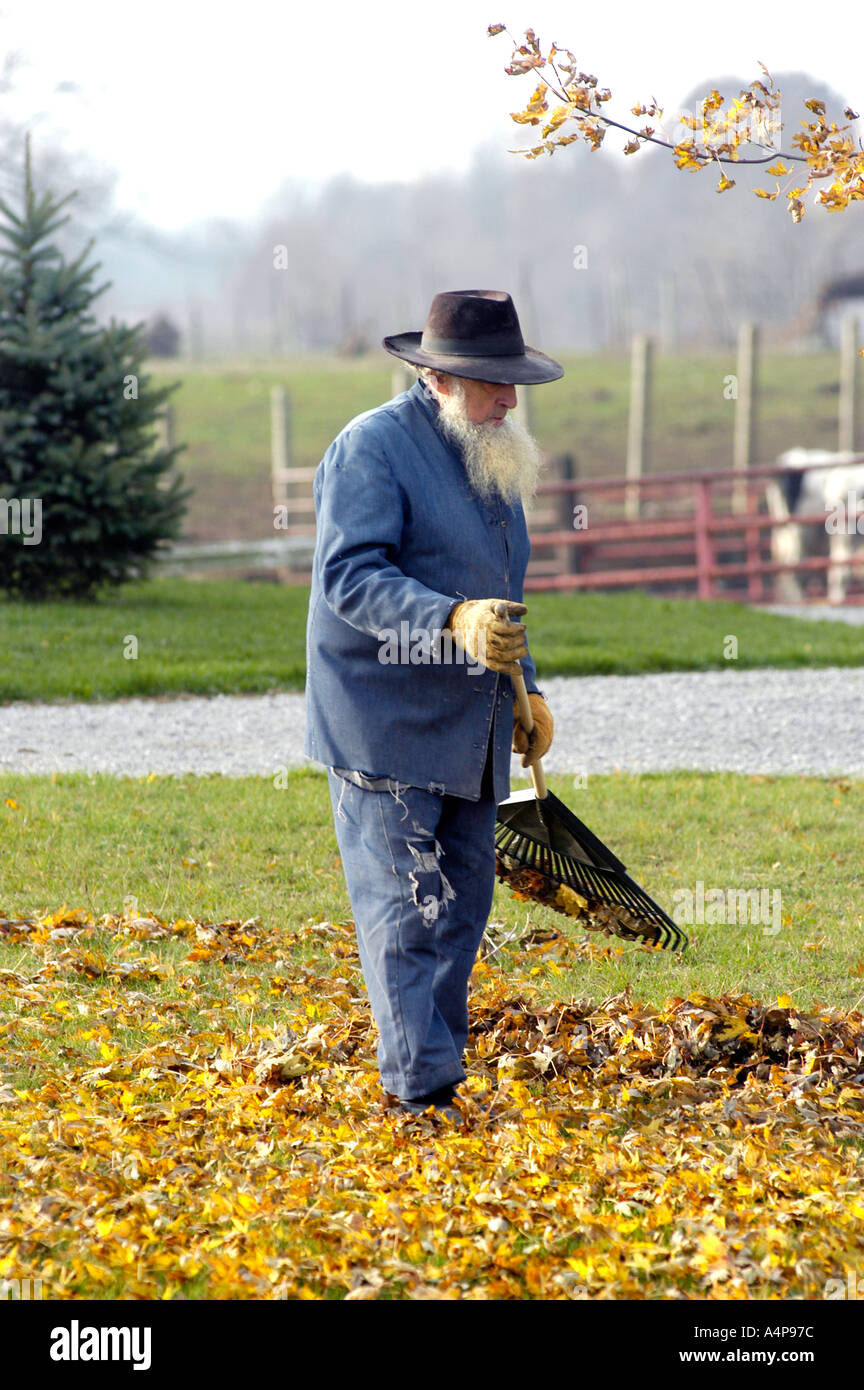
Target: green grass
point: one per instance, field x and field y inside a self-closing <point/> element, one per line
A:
<point x="218" y="636"/>
<point x="200" y="637"/>
<point x="222" y="413"/>
<point x="141" y="1172"/>
<point x="254" y="850"/>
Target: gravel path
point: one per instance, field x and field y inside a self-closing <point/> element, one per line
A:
<point x="768" y="721"/>
<point x="852" y="614"/>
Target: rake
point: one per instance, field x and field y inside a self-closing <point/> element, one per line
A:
<point x="545" y="854"/>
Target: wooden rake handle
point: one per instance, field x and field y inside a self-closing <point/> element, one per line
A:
<point x="526" y="718"/>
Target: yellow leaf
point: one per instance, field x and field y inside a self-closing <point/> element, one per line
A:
<point x="784" y="1001"/>
<point x="736" y="1028"/>
<point x="11" y="802"/>
<point x="558" y="117"/>
<point x="778" y="169"/>
<point x="572" y="902"/>
<point x="712" y="1246"/>
<point x="725" y="183"/>
<point x="538" y="99"/>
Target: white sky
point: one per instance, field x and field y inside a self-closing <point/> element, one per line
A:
<point x="204" y="110"/>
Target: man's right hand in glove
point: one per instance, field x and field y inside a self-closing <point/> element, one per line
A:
<point x="485" y="636"/>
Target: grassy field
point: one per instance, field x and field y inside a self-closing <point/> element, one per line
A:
<point x="222" y="414"/>
<point x="221" y="636"/>
<point x="189" y="1101"/>
<point x="217" y="847"/>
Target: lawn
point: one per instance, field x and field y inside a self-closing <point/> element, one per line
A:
<point x="218" y="636"/>
<point x="222" y="412"/>
<point x="189" y="1104"/>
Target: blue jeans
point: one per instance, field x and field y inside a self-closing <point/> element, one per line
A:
<point x="420" y="872"/>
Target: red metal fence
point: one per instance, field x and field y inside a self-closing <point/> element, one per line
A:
<point x="687" y="540"/>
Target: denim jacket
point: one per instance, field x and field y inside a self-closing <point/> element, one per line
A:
<point x="401" y="539"/>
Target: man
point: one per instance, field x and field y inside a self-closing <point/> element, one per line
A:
<point x="421" y="533"/>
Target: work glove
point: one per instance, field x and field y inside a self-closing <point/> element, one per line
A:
<point x="485" y="636"/>
<point x="535" y="744"/>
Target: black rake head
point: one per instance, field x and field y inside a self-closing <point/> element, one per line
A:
<point x="545" y="853"/>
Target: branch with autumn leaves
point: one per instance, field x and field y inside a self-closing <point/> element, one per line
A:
<point x="826" y="149"/>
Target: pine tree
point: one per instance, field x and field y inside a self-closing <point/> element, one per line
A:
<point x="86" y="498"/>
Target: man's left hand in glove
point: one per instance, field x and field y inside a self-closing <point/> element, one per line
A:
<point x="532" y="746"/>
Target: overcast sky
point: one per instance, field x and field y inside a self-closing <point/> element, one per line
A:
<point x="205" y="109"/>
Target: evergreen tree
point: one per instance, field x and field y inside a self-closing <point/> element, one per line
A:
<point x="162" y="337"/>
<point x="86" y="498"/>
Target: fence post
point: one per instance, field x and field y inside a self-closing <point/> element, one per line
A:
<point x="849" y="385"/>
<point x="568" y="556"/>
<point x="165" y="428"/>
<point x="702" y="520"/>
<point x="525" y="407"/>
<point x="639" y="423"/>
<point x="745" y="411"/>
<point x="402" y="379"/>
<point x="280" y="441"/>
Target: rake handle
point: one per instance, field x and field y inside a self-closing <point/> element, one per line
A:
<point x="526" y="718"/>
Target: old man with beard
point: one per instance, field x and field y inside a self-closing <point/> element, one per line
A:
<point x="421" y="527"/>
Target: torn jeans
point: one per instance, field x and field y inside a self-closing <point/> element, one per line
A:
<point x="420" y="872"/>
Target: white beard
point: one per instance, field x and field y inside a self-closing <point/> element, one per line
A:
<point x="499" y="459"/>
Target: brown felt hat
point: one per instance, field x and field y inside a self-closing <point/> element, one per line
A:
<point x="476" y="334"/>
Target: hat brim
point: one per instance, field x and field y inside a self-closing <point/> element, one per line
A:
<point x="517" y="369"/>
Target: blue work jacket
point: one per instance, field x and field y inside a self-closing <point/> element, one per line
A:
<point x="401" y="539"/>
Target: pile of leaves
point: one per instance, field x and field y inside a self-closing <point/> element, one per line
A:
<point x="201" y="1116"/>
<point x="531" y="885"/>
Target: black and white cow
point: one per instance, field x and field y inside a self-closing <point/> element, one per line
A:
<point x="835" y="493"/>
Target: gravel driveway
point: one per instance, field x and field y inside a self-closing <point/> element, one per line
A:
<point x="768" y="721"/>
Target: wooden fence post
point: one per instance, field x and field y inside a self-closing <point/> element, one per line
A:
<point x="745" y="411"/>
<point x="165" y="427"/>
<point x="639" y="424"/>
<point x="525" y="407"/>
<point x="402" y="379"/>
<point x="568" y="557"/>
<point x="280" y="441"/>
<point x="849" y="386"/>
